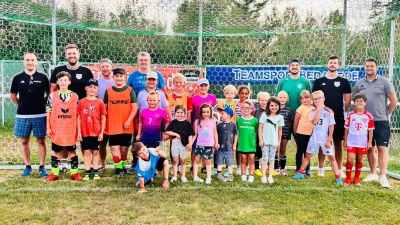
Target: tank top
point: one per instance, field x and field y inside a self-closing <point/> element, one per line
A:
<point x="118" y="111"/>
<point x="63" y="120"/>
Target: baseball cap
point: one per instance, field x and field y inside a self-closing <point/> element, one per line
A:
<point x="152" y="74"/>
<point x="203" y="81"/>
<point x="294" y="60"/>
<point x="227" y="110"/>
<point x="118" y="70"/>
<point x="92" y="81"/>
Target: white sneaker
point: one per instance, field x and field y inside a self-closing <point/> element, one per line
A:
<point x="173" y="179"/>
<point x="198" y="179"/>
<point x="208" y="180"/>
<point x="238" y="171"/>
<point x="321" y="172"/>
<point x="251" y="179"/>
<point x="270" y="180"/>
<point x="342" y="175"/>
<point x="184" y="179"/>
<point x="244" y="178"/>
<point x="264" y="180"/>
<point x="384" y="182"/>
<point x="371" y="177"/>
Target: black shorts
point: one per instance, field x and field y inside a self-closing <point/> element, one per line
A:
<point x="381" y="134"/>
<point x="246" y="153"/>
<point x="57" y="148"/>
<point x="258" y="150"/>
<point x="90" y="143"/>
<point x="287" y="137"/>
<point x="120" y="139"/>
<point x="105" y="139"/>
<point x="160" y="164"/>
<point x="152" y="145"/>
<point x="338" y="131"/>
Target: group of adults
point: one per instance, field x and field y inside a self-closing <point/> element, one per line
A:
<point x="30" y="89"/>
<point x="337" y="90"/>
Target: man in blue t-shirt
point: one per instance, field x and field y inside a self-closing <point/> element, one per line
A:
<point x="137" y="79"/>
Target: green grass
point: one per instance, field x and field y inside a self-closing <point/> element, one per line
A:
<point x="115" y="201"/>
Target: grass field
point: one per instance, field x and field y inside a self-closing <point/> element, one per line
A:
<point x="115" y="201"/>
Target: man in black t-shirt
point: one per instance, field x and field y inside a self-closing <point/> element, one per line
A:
<point x="29" y="89"/>
<point x="337" y="91"/>
<point x="79" y="76"/>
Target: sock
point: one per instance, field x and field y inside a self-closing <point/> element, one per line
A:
<point x="219" y="172"/>
<point x="95" y="171"/>
<point x="359" y="166"/>
<point x="276" y="164"/>
<point x="41" y="166"/>
<point x="74" y="165"/>
<point x="123" y="160"/>
<point x="116" y="159"/>
<point x="257" y="164"/>
<point x="55" y="171"/>
<point x="230" y="174"/>
<point x="337" y="176"/>
<point x="301" y="171"/>
<point x="349" y="167"/>
<point x="88" y="171"/>
<point x="63" y="163"/>
<point x="282" y="162"/>
<point x="28" y="166"/>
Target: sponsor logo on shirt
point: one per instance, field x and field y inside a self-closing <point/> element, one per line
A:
<point x="64" y="116"/>
<point x="336" y="83"/>
<point x="78" y="76"/>
<point x="22" y="82"/>
<point x="323" y="84"/>
<point x="299" y="85"/>
<point x="91" y="107"/>
<point x="117" y="102"/>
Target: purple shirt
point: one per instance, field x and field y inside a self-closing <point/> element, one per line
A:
<point x="197" y="101"/>
<point x="103" y="85"/>
<point x="205" y="132"/>
<point x="152" y="122"/>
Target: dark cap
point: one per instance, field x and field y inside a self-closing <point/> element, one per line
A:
<point x="294" y="60"/>
<point x="92" y="81"/>
<point x="118" y="70"/>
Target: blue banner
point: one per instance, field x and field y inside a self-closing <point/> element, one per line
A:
<point x="273" y="74"/>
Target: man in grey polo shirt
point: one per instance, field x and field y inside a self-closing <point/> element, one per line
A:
<point x="378" y="90"/>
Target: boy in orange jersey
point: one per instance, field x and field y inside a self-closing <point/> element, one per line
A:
<point x="121" y="106"/>
<point x="91" y="126"/>
<point x="61" y="111"/>
<point x="178" y="95"/>
<point x="230" y="93"/>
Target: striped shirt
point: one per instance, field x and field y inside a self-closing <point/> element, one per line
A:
<point x="287" y="115"/>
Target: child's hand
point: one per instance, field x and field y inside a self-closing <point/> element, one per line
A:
<point x="141" y="191"/>
<point x="261" y="143"/>
<point x="189" y="147"/>
<point x="320" y="107"/>
<point x="328" y="144"/>
<point x="48" y="132"/>
<point x="369" y="145"/>
<point x="158" y="149"/>
<point x="234" y="149"/>
<point x="100" y="136"/>
<point x="80" y="137"/>
<point x="216" y="146"/>
<point x="178" y="137"/>
<point x="344" y="144"/>
<point x="138" y="138"/>
<point x="127" y="124"/>
<point x="277" y="148"/>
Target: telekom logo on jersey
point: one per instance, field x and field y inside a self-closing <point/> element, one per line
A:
<point x="358" y="126"/>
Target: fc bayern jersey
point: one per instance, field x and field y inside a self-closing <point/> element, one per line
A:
<point x="321" y="129"/>
<point x="152" y="122"/>
<point x="358" y="125"/>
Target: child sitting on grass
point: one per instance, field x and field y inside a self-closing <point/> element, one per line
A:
<point x="150" y="160"/>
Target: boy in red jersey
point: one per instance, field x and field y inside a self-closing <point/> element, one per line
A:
<point x="91" y="126"/>
<point x="358" y="132"/>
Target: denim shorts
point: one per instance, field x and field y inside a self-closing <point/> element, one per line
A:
<point x="223" y="154"/>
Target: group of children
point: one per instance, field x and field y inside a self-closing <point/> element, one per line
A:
<point x="209" y="129"/>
